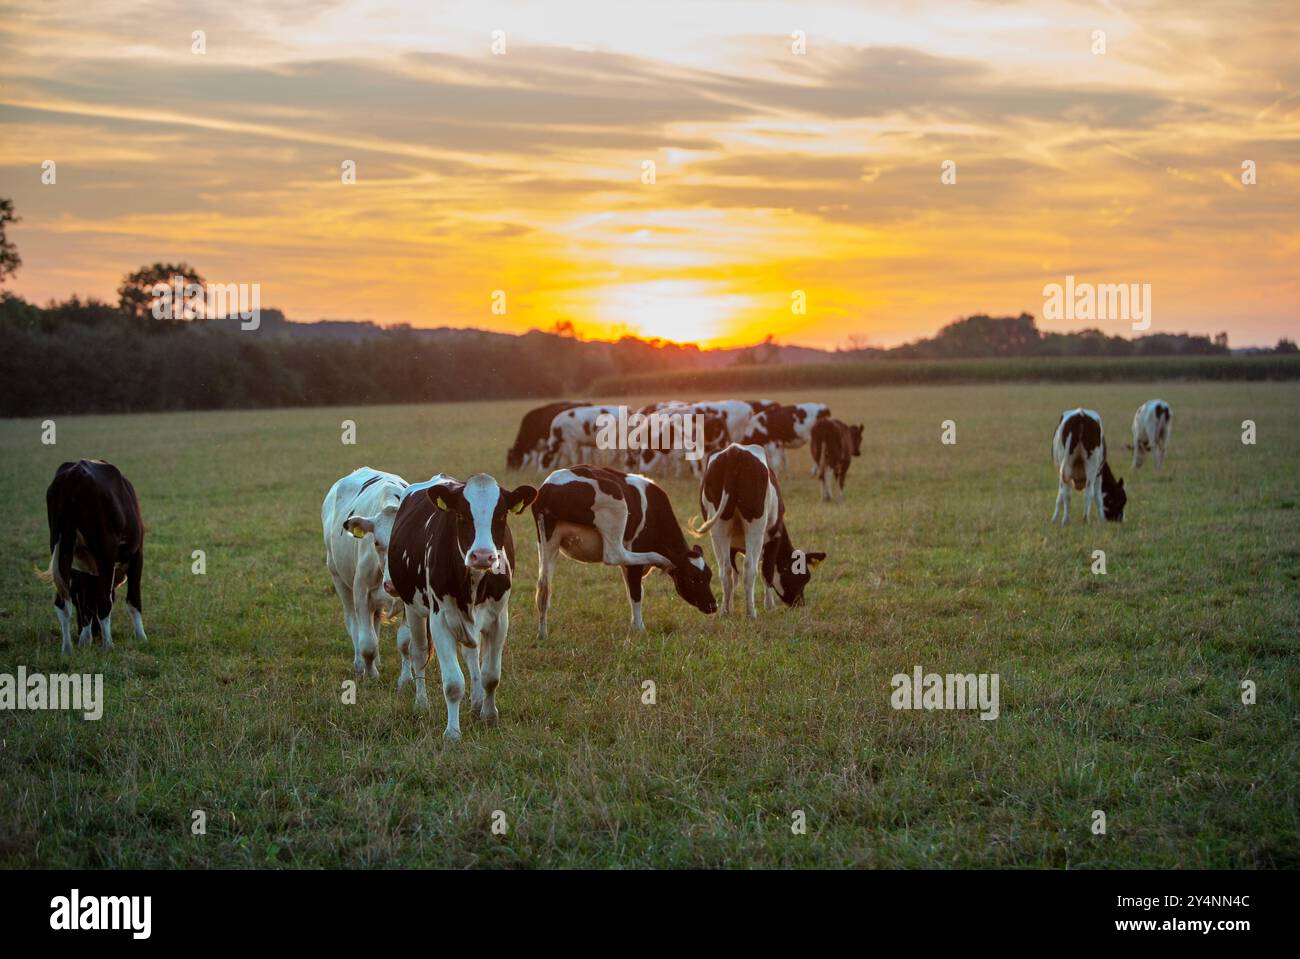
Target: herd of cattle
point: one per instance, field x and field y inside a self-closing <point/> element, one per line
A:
<point x="440" y="553"/>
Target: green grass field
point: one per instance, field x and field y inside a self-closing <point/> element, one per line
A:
<point x="1119" y="693"/>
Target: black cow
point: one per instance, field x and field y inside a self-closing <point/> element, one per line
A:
<point x="450" y="561"/>
<point x="834" y="444"/>
<point x="534" y="431"/>
<point x="599" y="515"/>
<point x="96" y="542"/>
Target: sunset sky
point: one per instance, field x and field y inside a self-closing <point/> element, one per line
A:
<point x="775" y="171"/>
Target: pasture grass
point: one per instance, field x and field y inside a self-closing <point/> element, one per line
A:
<point x="1119" y="693"/>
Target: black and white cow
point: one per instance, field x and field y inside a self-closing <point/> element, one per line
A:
<point x="834" y="444"/>
<point x="573" y="436"/>
<point x="1079" y="453"/>
<point x="599" y="515"/>
<point x="96" y="542"/>
<point x="779" y="428"/>
<point x="450" y="561"/>
<point x="744" y="513"/>
<point x="357" y="520"/>
<point x="534" y="433"/>
<point x="1152" y="424"/>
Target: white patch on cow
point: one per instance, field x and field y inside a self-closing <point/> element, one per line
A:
<point x="482" y="493"/>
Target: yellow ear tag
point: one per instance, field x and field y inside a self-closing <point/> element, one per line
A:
<point x="517" y="508"/>
<point x="440" y="504"/>
<point x="358" y="532"/>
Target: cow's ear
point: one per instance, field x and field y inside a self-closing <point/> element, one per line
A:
<point x="358" y="526"/>
<point x="520" y="497"/>
<point x="444" y="496"/>
<point x="1121" y="484"/>
<point x="814" y="558"/>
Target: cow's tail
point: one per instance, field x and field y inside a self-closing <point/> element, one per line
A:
<point x="702" y="528"/>
<point x="47" y="575"/>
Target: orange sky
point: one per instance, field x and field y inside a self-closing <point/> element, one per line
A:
<point x="774" y="171"/>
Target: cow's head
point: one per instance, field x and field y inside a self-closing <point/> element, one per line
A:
<point x="514" y="458"/>
<point x="792" y="571"/>
<point x="1113" y="496"/>
<point x="379" y="526"/>
<point x="691" y="578"/>
<point x="479" y="507"/>
<point x="857" y="439"/>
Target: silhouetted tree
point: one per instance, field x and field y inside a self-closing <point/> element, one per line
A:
<point x="10" y="261"/>
<point x="136" y="294"/>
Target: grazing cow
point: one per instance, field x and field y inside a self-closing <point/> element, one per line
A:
<point x="534" y="432"/>
<point x="742" y="506"/>
<point x="779" y="428"/>
<point x="834" y="444"/>
<point x="357" y="519"/>
<point x="1079" y="452"/>
<point x="599" y="515"/>
<point x="96" y="542"/>
<point x="573" y="435"/>
<point x="450" y="561"/>
<point x="1151" y="425"/>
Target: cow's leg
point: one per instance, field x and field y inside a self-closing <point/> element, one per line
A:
<point x="1137" y="445"/>
<point x="453" y="680"/>
<point x="611" y="521"/>
<point x="769" y="597"/>
<point x="547" y="553"/>
<point x="1062" y="501"/>
<point x="349" y="617"/>
<point x="104" y="599"/>
<point x="134" y="572"/>
<point x="473" y="656"/>
<point x="754" y="533"/>
<point x="403" y="651"/>
<point x="722" y="556"/>
<point x="840" y="476"/>
<point x="632" y="577"/>
<point x="492" y="643"/>
<point x="62" y="611"/>
<point x="365" y="641"/>
<point x="417" y="653"/>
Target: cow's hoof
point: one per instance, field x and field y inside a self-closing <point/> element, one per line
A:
<point x="108" y="644"/>
<point x="489" y="719"/>
<point x="476" y="709"/>
<point x="422" y="703"/>
<point x="453" y="735"/>
<point x="140" y="637"/>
